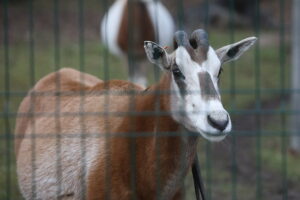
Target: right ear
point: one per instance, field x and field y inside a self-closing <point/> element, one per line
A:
<point x="234" y="51"/>
<point x="157" y="55"/>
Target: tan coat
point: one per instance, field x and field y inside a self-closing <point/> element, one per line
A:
<point x="78" y="139"/>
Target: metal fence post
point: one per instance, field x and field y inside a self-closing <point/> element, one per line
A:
<point x="295" y="119"/>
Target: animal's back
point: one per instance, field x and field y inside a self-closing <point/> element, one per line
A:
<point x="68" y="130"/>
<point x="43" y="97"/>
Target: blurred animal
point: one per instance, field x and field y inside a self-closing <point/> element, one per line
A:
<point x="75" y="138"/>
<point x="128" y="23"/>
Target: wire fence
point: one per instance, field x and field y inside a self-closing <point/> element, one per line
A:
<point x="39" y="37"/>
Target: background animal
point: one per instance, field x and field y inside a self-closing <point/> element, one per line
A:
<point x="80" y="140"/>
<point x="127" y="24"/>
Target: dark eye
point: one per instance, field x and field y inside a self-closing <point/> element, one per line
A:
<point x="220" y="72"/>
<point x="177" y="73"/>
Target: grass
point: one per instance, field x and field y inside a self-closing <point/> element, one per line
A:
<point x="276" y="153"/>
<point x="274" y="159"/>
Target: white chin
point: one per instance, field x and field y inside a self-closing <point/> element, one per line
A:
<point x="213" y="138"/>
<point x="211" y="134"/>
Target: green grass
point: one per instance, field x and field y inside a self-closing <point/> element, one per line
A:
<point x="240" y="77"/>
<point x="274" y="159"/>
<point x="276" y="153"/>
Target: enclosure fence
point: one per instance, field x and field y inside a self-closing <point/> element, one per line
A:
<point x="256" y="160"/>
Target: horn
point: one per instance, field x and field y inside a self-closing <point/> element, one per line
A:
<point x="199" y="40"/>
<point x="181" y="39"/>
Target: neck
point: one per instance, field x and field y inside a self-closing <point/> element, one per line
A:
<point x="164" y="152"/>
<point x="145" y="167"/>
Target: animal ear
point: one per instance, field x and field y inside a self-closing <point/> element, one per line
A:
<point x="157" y="55"/>
<point x="234" y="51"/>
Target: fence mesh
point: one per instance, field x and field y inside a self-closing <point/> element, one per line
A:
<point x="255" y="161"/>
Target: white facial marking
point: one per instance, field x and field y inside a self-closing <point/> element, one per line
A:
<point x="192" y="110"/>
<point x="213" y="65"/>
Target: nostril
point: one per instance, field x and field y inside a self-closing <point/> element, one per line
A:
<point x="219" y="124"/>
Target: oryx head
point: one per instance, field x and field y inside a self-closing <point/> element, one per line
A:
<point x="195" y="69"/>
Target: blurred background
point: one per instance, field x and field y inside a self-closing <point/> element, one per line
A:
<point x="259" y="160"/>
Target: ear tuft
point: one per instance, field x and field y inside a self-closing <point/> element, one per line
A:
<point x="234" y="51"/>
<point x="156" y="54"/>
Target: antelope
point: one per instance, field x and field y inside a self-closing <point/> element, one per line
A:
<point x="76" y="139"/>
<point x="128" y="23"/>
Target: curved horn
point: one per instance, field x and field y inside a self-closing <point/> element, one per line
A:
<point x="181" y="39"/>
<point x="199" y="41"/>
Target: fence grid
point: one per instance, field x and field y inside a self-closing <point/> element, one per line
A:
<point x="254" y="162"/>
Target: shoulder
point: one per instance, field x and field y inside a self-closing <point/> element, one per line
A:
<point x="66" y="79"/>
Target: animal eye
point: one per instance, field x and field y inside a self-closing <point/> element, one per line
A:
<point x="177" y="73"/>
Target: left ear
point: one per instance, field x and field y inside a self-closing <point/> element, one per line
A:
<point x="157" y="55"/>
<point x="234" y="51"/>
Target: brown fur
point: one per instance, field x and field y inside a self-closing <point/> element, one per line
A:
<point x="141" y="27"/>
<point x="155" y="156"/>
<point x="69" y="80"/>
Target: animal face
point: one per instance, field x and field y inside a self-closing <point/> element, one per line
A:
<point x="195" y="69"/>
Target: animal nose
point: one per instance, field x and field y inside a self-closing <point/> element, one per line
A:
<point x="218" y="120"/>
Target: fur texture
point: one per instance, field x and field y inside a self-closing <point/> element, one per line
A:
<point x="68" y="149"/>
